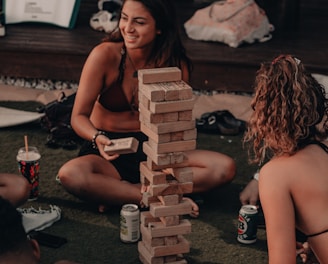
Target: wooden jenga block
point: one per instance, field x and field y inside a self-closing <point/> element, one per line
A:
<point x="171" y="220"/>
<point x="146" y="218"/>
<point x="147" y="199"/>
<point x="181" y="174"/>
<point x="143" y="101"/>
<point x="171" y="106"/>
<point x="166" y="91"/>
<point x="185" y="115"/>
<point x="153" y="166"/>
<point x="162" y="159"/>
<point x="145" y="256"/>
<point x="158" y="229"/>
<point x="122" y="146"/>
<point x="171" y="240"/>
<point x="147" y="116"/>
<point x="170" y="199"/>
<point x="170" y="188"/>
<point x="154" y="136"/>
<point x="152" y="92"/>
<point x="154" y="177"/>
<point x="190" y="134"/>
<point x="171" y="126"/>
<point x="165" y="74"/>
<point x="177" y="259"/>
<point x="174" y="146"/>
<point x="165" y="159"/>
<point x="160" y="210"/>
<point x="181" y="247"/>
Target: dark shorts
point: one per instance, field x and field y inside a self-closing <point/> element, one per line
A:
<point x="127" y="165"/>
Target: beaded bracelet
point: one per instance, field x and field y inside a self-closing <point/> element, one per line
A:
<point x="93" y="141"/>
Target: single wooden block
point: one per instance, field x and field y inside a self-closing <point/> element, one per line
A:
<point x="158" y="229"/>
<point x="181" y="174"/>
<point x="174" y="146"/>
<point x="173" y="187"/>
<point x="171" y="106"/>
<point x="146" y="116"/>
<point x="160" y="210"/>
<point x="185" y="115"/>
<point x="171" y="220"/>
<point x="170" y="199"/>
<point x="162" y="159"/>
<point x="183" y="135"/>
<point x="183" y="246"/>
<point x="154" y="177"/>
<point x="159" y="138"/>
<point x="154" y="75"/>
<point x="190" y="134"/>
<point x="148" y="199"/>
<point x="122" y="146"/>
<point x="166" y="91"/>
<point x="164" y="128"/>
<point x="146" y="218"/>
<point x="153" y="166"/>
<point x="145" y="257"/>
<point x="175" y="259"/>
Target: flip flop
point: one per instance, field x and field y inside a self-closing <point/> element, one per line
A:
<point x="221" y="122"/>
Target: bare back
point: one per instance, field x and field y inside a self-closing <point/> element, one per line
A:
<point x="300" y="183"/>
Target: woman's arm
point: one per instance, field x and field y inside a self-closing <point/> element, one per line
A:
<point x="91" y="82"/>
<point x="279" y="213"/>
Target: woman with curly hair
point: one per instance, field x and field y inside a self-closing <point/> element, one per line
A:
<point x="289" y="129"/>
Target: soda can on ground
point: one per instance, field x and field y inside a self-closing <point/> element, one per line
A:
<point x="29" y="165"/>
<point x="130" y="223"/>
<point x="247" y="224"/>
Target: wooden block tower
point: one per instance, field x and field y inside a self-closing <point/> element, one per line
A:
<point x="165" y="105"/>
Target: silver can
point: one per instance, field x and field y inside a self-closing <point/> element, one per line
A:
<point x="130" y="223"/>
<point x="247" y="224"/>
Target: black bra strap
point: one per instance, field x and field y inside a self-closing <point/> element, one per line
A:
<point x="316" y="234"/>
<point x="320" y="144"/>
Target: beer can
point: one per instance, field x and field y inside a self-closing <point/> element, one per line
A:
<point x="130" y="223"/>
<point x="247" y="224"/>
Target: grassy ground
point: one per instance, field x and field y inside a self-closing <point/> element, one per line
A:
<point x="94" y="238"/>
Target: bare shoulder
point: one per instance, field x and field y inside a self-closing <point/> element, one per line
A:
<point x="276" y="169"/>
<point x="106" y="52"/>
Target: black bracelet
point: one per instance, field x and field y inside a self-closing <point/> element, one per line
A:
<point x="93" y="141"/>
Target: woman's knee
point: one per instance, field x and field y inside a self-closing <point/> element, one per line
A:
<point x="65" y="174"/>
<point x="230" y="169"/>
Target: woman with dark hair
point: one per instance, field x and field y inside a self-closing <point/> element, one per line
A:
<point x="106" y="108"/>
<point x="289" y="128"/>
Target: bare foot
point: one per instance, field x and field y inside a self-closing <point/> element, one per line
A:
<point x="194" y="207"/>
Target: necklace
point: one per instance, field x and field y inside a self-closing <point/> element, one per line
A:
<point x="135" y="72"/>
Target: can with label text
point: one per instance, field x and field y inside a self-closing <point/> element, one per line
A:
<point x="130" y="223"/>
<point x="247" y="224"/>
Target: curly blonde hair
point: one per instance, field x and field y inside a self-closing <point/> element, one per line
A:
<point x="290" y="110"/>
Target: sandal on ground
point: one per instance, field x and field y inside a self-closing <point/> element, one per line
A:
<point x="221" y="122"/>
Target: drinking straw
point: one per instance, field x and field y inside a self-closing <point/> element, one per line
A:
<point x="26" y="145"/>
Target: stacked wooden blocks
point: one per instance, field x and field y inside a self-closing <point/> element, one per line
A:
<point x="165" y="105"/>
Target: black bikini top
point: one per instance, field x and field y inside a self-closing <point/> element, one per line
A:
<point x="113" y="98"/>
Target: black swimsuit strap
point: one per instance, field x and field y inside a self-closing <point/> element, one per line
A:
<point x="316" y="234"/>
<point x="320" y="144"/>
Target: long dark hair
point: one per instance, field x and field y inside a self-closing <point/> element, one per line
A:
<point x="168" y="49"/>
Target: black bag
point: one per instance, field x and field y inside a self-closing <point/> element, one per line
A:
<point x="57" y="121"/>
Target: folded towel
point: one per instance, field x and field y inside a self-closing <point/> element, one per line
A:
<point x="39" y="219"/>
